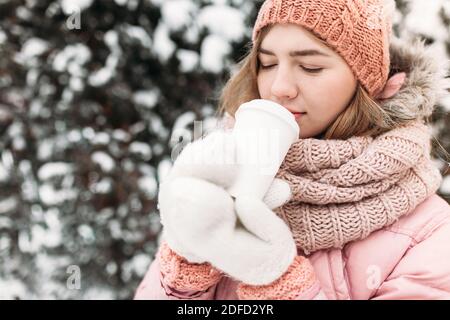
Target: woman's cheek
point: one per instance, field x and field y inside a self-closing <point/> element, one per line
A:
<point x="262" y="88"/>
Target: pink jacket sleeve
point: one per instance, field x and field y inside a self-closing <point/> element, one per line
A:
<point x="423" y="272"/>
<point x="171" y="277"/>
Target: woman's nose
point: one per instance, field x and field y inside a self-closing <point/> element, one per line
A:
<point x="284" y="85"/>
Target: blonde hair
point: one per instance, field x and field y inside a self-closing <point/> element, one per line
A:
<point x="364" y="116"/>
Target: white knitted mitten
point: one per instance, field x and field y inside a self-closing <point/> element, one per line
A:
<point x="243" y="238"/>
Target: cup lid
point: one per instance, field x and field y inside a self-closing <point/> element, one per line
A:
<point x="272" y="108"/>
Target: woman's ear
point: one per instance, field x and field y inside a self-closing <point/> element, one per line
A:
<point x="392" y="86"/>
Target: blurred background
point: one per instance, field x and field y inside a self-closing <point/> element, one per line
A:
<point x="95" y="95"/>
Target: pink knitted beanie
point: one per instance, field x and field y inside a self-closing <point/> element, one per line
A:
<point x="358" y="30"/>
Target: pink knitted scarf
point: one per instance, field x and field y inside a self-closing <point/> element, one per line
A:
<point x="345" y="189"/>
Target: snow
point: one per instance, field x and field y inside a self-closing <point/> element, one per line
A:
<point x="4" y="173"/>
<point x="52" y="169"/>
<point x="446" y="7"/>
<point x="177" y="14"/>
<point x="214" y="50"/>
<point x="86" y="232"/>
<point x="155" y="223"/>
<point x="3" y="37"/>
<point x="104" y="186"/>
<point x="445" y="186"/>
<point x="52" y="197"/>
<point x="156" y="126"/>
<point x="105" y="74"/>
<point x="33" y="47"/>
<point x="8" y="204"/>
<point x="115" y="229"/>
<point x="7" y="159"/>
<point x="101" y="138"/>
<point x="71" y="6"/>
<point x="148" y="186"/>
<point x="16" y="129"/>
<point x="445" y="101"/>
<point x="45" y="149"/>
<point x="53" y="234"/>
<point x="157" y="3"/>
<point x="74" y="136"/>
<point x="111" y="39"/>
<point x="164" y="168"/>
<point x="137" y="128"/>
<point x="422" y="18"/>
<point x="67" y="98"/>
<point x="188" y="60"/>
<point x="30" y="52"/>
<point x="98" y="293"/>
<point x="146" y="98"/>
<point x="184" y="120"/>
<point x="47" y="265"/>
<point x="5" y="223"/>
<point x="39" y="237"/>
<point x="111" y="268"/>
<point x="76" y="84"/>
<point x="23" y="13"/>
<point x="121" y="135"/>
<point x="104" y="160"/>
<point x="131" y="4"/>
<point x="88" y="133"/>
<point x="158" y="149"/>
<point x="142" y="149"/>
<point x="127" y="165"/>
<point x="137" y="265"/>
<point x="101" y="77"/>
<point x="163" y="46"/>
<point x="78" y="54"/>
<point x="29" y="186"/>
<point x="140" y="264"/>
<point x="104" y="215"/>
<point x="192" y="34"/>
<point x="32" y="76"/>
<point x="223" y="21"/>
<point x="146" y="169"/>
<point x="136" y="32"/>
<point x="16" y="289"/>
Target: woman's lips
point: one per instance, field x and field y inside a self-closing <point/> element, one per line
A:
<point x="297" y="115"/>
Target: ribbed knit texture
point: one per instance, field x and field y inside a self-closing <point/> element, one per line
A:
<point x="358" y="30"/>
<point x="345" y="189"/>
<point x="299" y="278"/>
<point x="181" y="275"/>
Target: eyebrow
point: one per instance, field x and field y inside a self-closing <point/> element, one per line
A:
<point x="301" y="53"/>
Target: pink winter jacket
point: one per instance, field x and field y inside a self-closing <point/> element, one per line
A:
<point x="407" y="260"/>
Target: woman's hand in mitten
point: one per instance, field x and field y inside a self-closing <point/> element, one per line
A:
<point x="198" y="175"/>
<point x="200" y="221"/>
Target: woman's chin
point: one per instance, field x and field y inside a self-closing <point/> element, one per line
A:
<point x="305" y="133"/>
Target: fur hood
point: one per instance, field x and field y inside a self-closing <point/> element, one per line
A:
<point x="425" y="82"/>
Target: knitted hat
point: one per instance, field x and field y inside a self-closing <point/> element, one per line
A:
<point x="358" y="30"/>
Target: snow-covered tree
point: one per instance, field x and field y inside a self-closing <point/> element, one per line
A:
<point x="94" y="97"/>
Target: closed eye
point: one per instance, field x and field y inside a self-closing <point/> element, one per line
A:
<point x="309" y="70"/>
<point x="316" y="70"/>
<point x="268" y="66"/>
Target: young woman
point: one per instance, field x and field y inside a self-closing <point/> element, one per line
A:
<point x="356" y="192"/>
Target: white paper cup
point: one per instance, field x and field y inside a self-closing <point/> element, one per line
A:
<point x="264" y="132"/>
